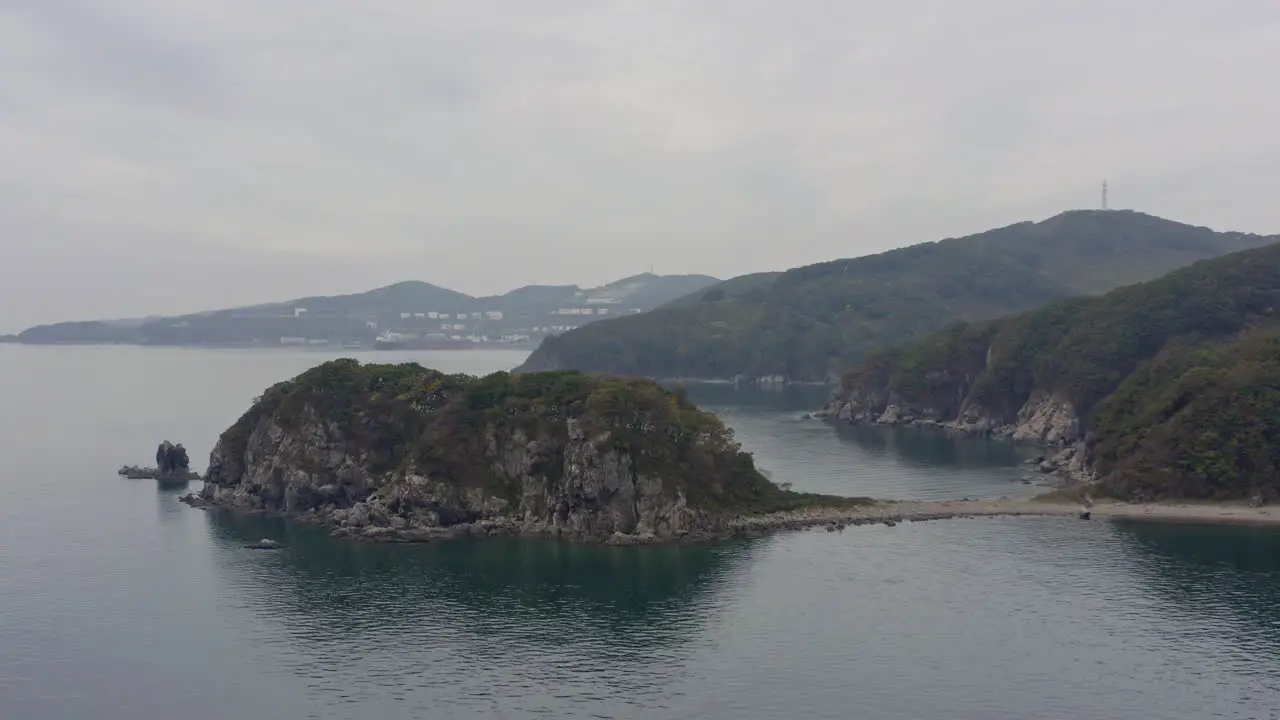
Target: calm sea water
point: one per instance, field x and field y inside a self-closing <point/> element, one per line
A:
<point x="116" y="601"/>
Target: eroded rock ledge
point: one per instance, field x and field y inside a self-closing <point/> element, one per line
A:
<point x="1043" y="420"/>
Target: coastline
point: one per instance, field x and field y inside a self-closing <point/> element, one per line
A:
<point x="832" y="518"/>
<point x="895" y="511"/>
<point x="1067" y="463"/>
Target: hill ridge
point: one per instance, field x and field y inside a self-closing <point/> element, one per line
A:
<point x="405" y="309"/>
<point x="811" y="322"/>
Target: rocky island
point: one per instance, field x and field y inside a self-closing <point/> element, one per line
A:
<point x="1165" y="390"/>
<point x="172" y="466"/>
<point x="406" y="453"/>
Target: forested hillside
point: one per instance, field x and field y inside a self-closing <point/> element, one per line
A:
<point x="1173" y="385"/>
<point x="812" y="322"/>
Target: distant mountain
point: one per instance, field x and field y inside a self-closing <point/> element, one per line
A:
<point x="391" y="299"/>
<point x="406" y="313"/>
<point x="1164" y="389"/>
<point x="811" y="322"/>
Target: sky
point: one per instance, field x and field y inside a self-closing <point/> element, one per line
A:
<point x="165" y="156"/>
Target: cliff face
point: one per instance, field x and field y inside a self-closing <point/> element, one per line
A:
<point x="584" y="457"/>
<point x="308" y="471"/>
<point x="1043" y="420"/>
<point x="1163" y="389"/>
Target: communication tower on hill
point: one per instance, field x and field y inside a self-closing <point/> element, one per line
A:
<point x="1105" y="206"/>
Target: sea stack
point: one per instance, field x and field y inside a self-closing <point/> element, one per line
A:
<point x="172" y="466"/>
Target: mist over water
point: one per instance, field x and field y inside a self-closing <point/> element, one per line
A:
<point x="116" y="601"/>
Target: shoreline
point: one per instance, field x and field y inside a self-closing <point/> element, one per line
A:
<point x="895" y="511"/>
<point x="1065" y="463"/>
<point x="832" y="518"/>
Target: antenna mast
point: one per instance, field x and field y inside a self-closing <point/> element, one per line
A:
<point x="1104" y="196"/>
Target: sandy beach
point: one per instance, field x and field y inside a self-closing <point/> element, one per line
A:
<point x="891" y="512"/>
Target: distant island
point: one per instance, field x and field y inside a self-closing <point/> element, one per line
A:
<point x="402" y="452"/>
<point x="812" y="323"/>
<point x="405" y="315"/>
<point x="1168" y="389"/>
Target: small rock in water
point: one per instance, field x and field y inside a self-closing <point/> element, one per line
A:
<point x="265" y="544"/>
<point x="193" y="500"/>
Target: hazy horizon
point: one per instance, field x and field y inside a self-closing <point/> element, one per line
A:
<point x="301" y="296"/>
<point x="161" y="161"/>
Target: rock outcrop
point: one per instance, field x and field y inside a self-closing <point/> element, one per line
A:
<point x="172" y="464"/>
<point x="1047" y="420"/>
<point x="172" y="460"/>
<point x="1044" y="419"/>
<point x="405" y="453"/>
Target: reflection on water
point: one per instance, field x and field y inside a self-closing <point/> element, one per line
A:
<point x="789" y="398"/>
<point x="1251" y="551"/>
<point x="926" y="447"/>
<point x="1004" y="618"/>
<point x="883" y="462"/>
<point x="577" y="621"/>
<point x="634" y="584"/>
<point x="1227" y="573"/>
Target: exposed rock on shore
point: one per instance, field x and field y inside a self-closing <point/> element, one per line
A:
<point x="403" y="453"/>
<point x="1043" y="420"/>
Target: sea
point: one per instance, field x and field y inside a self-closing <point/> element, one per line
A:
<point x="118" y="601"/>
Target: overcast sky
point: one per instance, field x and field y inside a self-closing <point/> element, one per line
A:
<point x="160" y="156"/>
